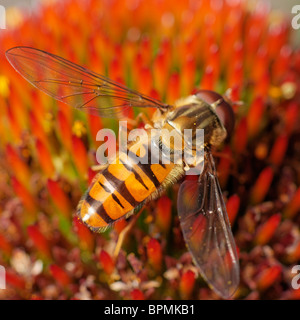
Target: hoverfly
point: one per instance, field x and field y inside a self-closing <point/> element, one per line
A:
<point x="119" y="190"/>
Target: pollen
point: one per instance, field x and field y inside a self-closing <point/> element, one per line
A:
<point x="79" y="129"/>
<point x="4" y="86"/>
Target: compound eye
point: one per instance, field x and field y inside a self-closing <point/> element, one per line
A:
<point x="223" y="109"/>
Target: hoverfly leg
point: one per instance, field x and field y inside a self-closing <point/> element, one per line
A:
<point x="186" y="167"/>
<point x="124" y="232"/>
<point x="221" y="154"/>
<point x="228" y="97"/>
<point x="98" y="167"/>
<point x="141" y="117"/>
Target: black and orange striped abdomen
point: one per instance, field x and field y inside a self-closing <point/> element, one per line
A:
<point x="119" y="189"/>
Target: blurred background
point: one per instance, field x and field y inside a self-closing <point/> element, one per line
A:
<point x="276" y="5"/>
<point x="169" y="50"/>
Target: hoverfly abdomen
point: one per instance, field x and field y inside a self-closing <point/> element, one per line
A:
<point x="121" y="187"/>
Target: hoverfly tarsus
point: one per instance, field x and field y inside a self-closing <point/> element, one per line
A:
<point x="118" y="190"/>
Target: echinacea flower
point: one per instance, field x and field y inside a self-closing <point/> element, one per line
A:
<point x="169" y="50"/>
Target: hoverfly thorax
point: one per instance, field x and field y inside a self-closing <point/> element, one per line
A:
<point x="189" y="117"/>
<point x="195" y="113"/>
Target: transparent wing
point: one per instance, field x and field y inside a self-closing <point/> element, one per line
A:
<point x="76" y="86"/>
<point x="207" y="231"/>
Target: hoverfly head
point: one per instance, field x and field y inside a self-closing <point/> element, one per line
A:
<point x="222" y="106"/>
